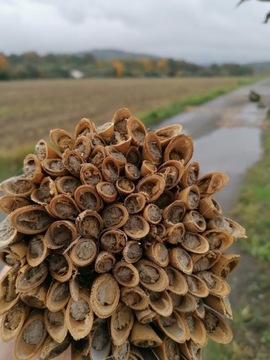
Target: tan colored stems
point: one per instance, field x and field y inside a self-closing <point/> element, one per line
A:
<point x="173" y="171"/>
<point x="67" y="184"/>
<point x="63" y="207"/>
<point x="44" y="150"/>
<point x="9" y="203"/>
<point x="84" y="252"/>
<point x="152" y="186"/>
<point x="174" y="327"/>
<point x="190" y="174"/>
<point x="60" y="234"/>
<point x="211" y="183"/>
<point x="73" y="161"/>
<point x="121" y="324"/>
<point x="107" y="191"/>
<point x="8" y="232"/>
<point x="104" y="262"/>
<point x="60" y="266"/>
<point x="177" y="281"/>
<point x="136" y="227"/>
<point x="46" y="191"/>
<point x="143" y="335"/>
<point x="32" y="219"/>
<point x="62" y="139"/>
<point x="166" y="133"/>
<point x="135" y="298"/>
<point x="57" y="296"/>
<point x="79" y="317"/>
<point x="152" y="277"/>
<point x="126" y="274"/>
<point x="113" y="240"/>
<point x="89" y="224"/>
<point x="90" y="174"/>
<point x="132" y="252"/>
<point x="31" y="337"/>
<point x="31" y="277"/>
<point x="114" y="216"/>
<point x="8" y="294"/>
<point x="54" y="167"/>
<point x="152" y="150"/>
<point x="105" y="294"/>
<point x="32" y="168"/>
<point x="179" y="148"/>
<point x="132" y="172"/>
<point x="13" y="321"/>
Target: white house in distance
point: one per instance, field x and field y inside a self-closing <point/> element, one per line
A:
<point x="76" y="74"/>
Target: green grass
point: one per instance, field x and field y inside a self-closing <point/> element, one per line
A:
<point x="11" y="164"/>
<point x="253" y="209"/>
<point x="251" y="321"/>
<point x="250" y="326"/>
<point x="159" y="114"/>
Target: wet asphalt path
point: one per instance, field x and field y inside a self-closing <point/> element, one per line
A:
<point x="227" y="137"/>
<point x="226" y="133"/>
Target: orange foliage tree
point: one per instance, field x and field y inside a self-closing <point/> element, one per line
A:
<point x="118" y="67"/>
<point x="147" y="64"/>
<point x="4" y="67"/>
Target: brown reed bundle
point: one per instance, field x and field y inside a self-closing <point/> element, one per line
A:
<point x="115" y="243"/>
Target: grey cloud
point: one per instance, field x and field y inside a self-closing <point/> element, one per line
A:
<point x="195" y="30"/>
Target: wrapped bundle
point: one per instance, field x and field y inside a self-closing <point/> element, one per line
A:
<point x="115" y="244"/>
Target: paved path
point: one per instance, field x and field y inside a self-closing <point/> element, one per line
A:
<point x="226" y="133"/>
<point x="227" y="137"/>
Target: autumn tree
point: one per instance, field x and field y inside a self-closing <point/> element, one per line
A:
<point x="4" y="67"/>
<point x="147" y="65"/>
<point x="118" y="68"/>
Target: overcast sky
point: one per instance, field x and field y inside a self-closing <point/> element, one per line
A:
<point x="202" y="31"/>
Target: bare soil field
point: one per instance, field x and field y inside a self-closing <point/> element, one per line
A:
<point x="29" y="109"/>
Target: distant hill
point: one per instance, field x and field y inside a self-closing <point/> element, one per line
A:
<point x="112" y="54"/>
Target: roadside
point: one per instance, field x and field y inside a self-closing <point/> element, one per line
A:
<point x="252" y="317"/>
<point x="228" y="133"/>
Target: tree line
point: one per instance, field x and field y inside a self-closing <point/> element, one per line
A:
<point x="31" y="65"/>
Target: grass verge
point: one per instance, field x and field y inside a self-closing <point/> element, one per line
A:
<point x="155" y="116"/>
<point x="11" y="164"/>
<point x="253" y="209"/>
<point x="251" y="319"/>
<point x="250" y="324"/>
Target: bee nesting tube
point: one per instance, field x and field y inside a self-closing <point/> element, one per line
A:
<point x="116" y="244"/>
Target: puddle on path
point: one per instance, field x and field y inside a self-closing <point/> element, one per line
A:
<point x="230" y="150"/>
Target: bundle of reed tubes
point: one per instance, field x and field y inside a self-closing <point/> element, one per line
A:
<point x="115" y="243"/>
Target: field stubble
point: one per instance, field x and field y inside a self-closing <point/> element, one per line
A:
<point x="29" y="109"/>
